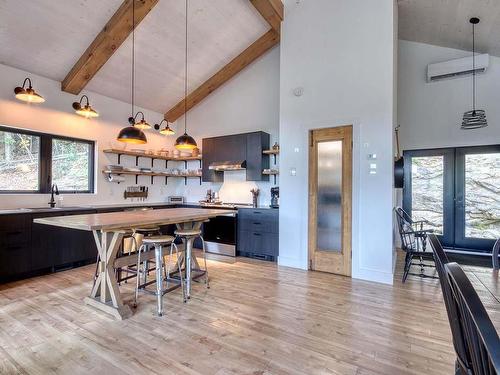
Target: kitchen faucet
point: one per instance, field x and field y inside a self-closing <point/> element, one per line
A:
<point x="53" y="190"/>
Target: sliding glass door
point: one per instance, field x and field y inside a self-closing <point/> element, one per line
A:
<point x="457" y="190"/>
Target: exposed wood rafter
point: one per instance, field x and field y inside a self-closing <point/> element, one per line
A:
<point x="256" y="49"/>
<point x="271" y="10"/>
<point x="105" y="44"/>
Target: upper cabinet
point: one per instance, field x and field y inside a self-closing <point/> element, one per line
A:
<point x="237" y="147"/>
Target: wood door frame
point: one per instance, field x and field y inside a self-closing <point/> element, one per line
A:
<point x="343" y="133"/>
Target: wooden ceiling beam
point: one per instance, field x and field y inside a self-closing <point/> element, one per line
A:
<point x="256" y="49"/>
<point x="105" y="44"/>
<point x="271" y="10"/>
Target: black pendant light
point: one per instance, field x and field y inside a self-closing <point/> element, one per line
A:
<point x="86" y="111"/>
<point x="167" y="130"/>
<point x="28" y="94"/>
<point x="133" y="134"/>
<point x="477" y="117"/>
<point x="185" y="141"/>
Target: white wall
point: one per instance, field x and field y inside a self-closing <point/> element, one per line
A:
<point x="341" y="53"/>
<point x="248" y="102"/>
<point x="56" y="116"/>
<point x="430" y="114"/>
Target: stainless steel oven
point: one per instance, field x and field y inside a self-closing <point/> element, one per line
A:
<point x="220" y="232"/>
<point x="220" y="235"/>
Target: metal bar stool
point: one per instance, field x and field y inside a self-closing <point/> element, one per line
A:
<point x="190" y="235"/>
<point x="158" y="242"/>
<point x="139" y="234"/>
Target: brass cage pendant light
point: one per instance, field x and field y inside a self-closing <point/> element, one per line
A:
<point x="476" y="118"/>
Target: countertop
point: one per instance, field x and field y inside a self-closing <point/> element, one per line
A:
<point x="38" y="210"/>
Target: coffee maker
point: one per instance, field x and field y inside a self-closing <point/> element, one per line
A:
<point x="275" y="197"/>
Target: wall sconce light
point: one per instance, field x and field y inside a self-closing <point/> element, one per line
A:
<point x="167" y="130"/>
<point x="86" y="111"/>
<point x="143" y="125"/>
<point x="28" y="94"/>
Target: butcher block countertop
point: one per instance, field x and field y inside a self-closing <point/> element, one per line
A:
<point x="128" y="219"/>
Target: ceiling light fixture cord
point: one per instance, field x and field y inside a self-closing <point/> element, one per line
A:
<point x="473" y="68"/>
<point x="185" y="71"/>
<point x="133" y="54"/>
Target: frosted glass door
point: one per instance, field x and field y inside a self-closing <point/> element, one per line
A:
<point x="329" y="202"/>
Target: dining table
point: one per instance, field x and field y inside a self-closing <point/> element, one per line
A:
<point x="108" y="231"/>
<point x="486" y="282"/>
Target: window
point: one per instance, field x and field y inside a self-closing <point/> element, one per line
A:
<point x="71" y="165"/>
<point x="19" y="162"/>
<point x="31" y="162"/>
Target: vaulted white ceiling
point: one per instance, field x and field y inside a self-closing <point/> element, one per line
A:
<point x="47" y="37"/>
<point x="446" y="23"/>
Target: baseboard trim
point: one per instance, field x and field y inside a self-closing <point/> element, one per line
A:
<point x="373" y="275"/>
<point x="292" y="262"/>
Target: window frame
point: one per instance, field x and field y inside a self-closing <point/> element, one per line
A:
<point x="454" y="194"/>
<point x="45" y="162"/>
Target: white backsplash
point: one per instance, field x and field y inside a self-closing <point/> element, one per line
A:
<point x="234" y="189"/>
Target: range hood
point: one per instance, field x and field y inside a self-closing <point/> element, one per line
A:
<point x="228" y="165"/>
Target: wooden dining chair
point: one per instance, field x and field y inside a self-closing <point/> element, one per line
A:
<point x="413" y="243"/>
<point x="482" y="345"/>
<point x="495" y="253"/>
<point x="462" y="365"/>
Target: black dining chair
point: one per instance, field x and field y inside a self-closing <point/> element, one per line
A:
<point x="413" y="242"/>
<point x="478" y="335"/>
<point x="441" y="259"/>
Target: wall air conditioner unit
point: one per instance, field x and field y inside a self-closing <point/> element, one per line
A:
<point x="456" y="68"/>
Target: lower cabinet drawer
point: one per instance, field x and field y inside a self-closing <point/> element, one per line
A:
<point x="258" y="242"/>
<point x="14" y="259"/>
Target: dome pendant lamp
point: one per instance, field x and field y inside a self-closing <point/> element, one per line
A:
<point x="476" y="118"/>
<point x="133" y="133"/>
<point x="185" y="142"/>
<point x="28" y="95"/>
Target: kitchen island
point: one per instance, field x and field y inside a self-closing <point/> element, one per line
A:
<point x="108" y="230"/>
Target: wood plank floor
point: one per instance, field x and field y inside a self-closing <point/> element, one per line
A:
<point x="256" y="319"/>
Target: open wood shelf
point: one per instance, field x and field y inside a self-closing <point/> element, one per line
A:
<point x="274" y="153"/>
<point x="271" y="152"/>
<point x="138" y="155"/>
<point x="152" y="175"/>
<point x="145" y="155"/>
<point x="271" y="173"/>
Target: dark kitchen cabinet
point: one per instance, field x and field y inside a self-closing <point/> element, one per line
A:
<point x="28" y="248"/>
<point x="46" y="243"/>
<point x="236" y="147"/>
<point x="15" y="245"/>
<point x="209" y="149"/>
<point x="256" y="161"/>
<point x="54" y="247"/>
<point x="79" y="245"/>
<point x="258" y="233"/>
